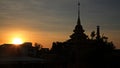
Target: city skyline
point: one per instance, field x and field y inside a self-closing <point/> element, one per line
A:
<point x="45" y="21"/>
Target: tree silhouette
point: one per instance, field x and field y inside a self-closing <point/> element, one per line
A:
<point x="92" y="35"/>
<point x="38" y="46"/>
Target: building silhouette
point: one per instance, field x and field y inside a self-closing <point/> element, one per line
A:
<point x="82" y="52"/>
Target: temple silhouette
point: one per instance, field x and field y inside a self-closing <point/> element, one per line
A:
<point x="79" y="51"/>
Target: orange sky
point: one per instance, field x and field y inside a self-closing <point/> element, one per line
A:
<point x="44" y="38"/>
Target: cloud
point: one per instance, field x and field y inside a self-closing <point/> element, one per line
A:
<point x="43" y="13"/>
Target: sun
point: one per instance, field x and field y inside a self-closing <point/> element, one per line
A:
<point x="17" y="41"/>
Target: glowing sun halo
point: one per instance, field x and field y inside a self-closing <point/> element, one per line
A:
<point x="17" y="41"/>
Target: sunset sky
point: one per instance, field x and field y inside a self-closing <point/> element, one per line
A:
<point x="47" y="21"/>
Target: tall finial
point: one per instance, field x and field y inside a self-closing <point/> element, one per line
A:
<point x="78" y="9"/>
<point x="98" y="33"/>
<point x="78" y="22"/>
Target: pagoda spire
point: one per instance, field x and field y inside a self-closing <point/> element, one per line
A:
<point x="78" y="21"/>
<point x="78" y="31"/>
